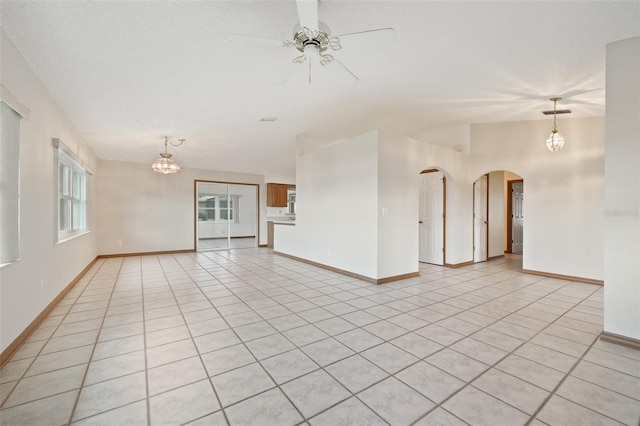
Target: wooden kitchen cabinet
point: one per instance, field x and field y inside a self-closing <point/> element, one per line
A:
<point x="277" y="194"/>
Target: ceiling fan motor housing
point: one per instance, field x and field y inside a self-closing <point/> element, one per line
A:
<point x="306" y="37"/>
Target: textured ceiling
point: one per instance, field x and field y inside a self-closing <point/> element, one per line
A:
<point x="129" y="72"/>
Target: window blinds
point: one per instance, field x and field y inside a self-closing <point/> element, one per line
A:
<point x="9" y="184"/>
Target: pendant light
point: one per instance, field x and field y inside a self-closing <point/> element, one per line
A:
<point x="555" y="142"/>
<point x="165" y="164"/>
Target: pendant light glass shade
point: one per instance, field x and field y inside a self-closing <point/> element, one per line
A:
<point x="555" y="141"/>
<point x="165" y="164"/>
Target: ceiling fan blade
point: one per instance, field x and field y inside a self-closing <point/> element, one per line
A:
<point x="341" y="73"/>
<point x="308" y="13"/>
<point x="379" y="38"/>
<point x="251" y="39"/>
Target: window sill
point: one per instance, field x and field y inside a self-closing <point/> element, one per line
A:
<point x="13" y="262"/>
<point x="72" y="237"/>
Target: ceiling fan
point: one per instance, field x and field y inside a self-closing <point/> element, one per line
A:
<point x="314" y="41"/>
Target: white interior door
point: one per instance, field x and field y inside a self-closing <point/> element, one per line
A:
<point x="432" y="218"/>
<point x="480" y="219"/>
<point x="517" y="216"/>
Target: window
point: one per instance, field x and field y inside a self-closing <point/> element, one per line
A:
<point x="9" y="184"/>
<point x="218" y="208"/>
<point x="72" y="200"/>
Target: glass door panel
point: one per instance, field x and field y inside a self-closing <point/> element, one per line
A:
<point x="213" y="216"/>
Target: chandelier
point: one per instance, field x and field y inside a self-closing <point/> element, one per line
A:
<point x="165" y="164"/>
<point x="555" y="142"/>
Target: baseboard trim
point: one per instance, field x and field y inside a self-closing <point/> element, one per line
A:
<point x="458" y="265"/>
<point x="263" y="245"/>
<point x="397" y="278"/>
<point x="348" y="273"/>
<point x="22" y="337"/>
<point x="224" y="238"/>
<point x="563" y="277"/>
<point x="146" y="253"/>
<point x="620" y="340"/>
<point x="496" y="257"/>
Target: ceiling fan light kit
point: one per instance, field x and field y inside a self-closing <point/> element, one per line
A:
<point x="318" y="42"/>
<point x="165" y="164"/>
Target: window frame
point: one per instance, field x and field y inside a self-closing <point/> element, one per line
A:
<point x="233" y="209"/>
<point x="75" y="196"/>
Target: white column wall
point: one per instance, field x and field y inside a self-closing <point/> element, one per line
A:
<point x="150" y="211"/>
<point x="622" y="190"/>
<point x="398" y="196"/>
<point x="337" y="207"/>
<point x="44" y="268"/>
<point x="563" y="204"/>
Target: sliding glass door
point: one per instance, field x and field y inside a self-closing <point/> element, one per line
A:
<point x="226" y="215"/>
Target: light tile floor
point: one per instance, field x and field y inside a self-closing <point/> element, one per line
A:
<point x="247" y="337"/>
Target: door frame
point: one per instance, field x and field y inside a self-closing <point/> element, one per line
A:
<point x="444" y="213"/>
<point x="195" y="208"/>
<point x="510" y="213"/>
<point x="486" y="215"/>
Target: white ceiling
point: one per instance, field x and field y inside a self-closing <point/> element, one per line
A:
<point x="129" y="72"/>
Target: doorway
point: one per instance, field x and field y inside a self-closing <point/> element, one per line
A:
<point x="432" y="217"/>
<point x="226" y="215"/>
<point x="481" y="219"/>
<point x="515" y="216"/>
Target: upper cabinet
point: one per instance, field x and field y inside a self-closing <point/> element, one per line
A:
<point x="277" y="194"/>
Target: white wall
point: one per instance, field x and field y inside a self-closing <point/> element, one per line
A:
<point x="337" y="207"/>
<point x="149" y="211"/>
<point x="45" y="268"/>
<point x="563" y="228"/>
<point x="456" y="137"/>
<point x="497" y="207"/>
<point x="622" y="190"/>
<point x="398" y="200"/>
<point x="365" y="175"/>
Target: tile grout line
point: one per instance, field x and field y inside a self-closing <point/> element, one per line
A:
<point x="485" y="327"/>
<point x="192" y="338"/>
<point x="554" y="392"/>
<point x="247" y="284"/>
<point x="512" y="352"/>
<point x="86" y="371"/>
<point x="40" y="353"/>
<point x="48" y="339"/>
<point x="277" y="386"/>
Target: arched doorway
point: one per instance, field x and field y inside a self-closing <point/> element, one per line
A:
<point x="498" y="218"/>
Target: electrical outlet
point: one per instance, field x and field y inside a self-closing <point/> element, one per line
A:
<point x="119" y="243"/>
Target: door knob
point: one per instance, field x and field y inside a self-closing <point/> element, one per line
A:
<point x="420" y="221"/>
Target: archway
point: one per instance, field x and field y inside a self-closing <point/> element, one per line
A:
<point x="498" y="215"/>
